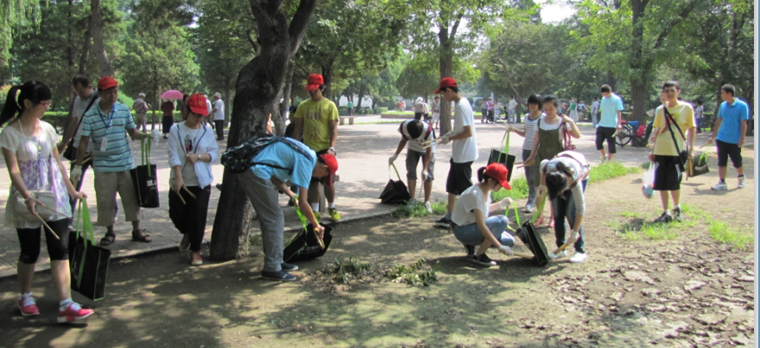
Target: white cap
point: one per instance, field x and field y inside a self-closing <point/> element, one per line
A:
<point x="218" y="95"/>
<point x="141" y="94"/>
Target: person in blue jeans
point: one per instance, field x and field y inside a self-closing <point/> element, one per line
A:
<point x="564" y="177"/>
<point x="470" y="222"/>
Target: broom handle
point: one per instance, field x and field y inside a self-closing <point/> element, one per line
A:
<point x="523" y="255"/>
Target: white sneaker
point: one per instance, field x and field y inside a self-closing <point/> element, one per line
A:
<point x="741" y="182"/>
<point x="528" y="209"/>
<point x="561" y="254"/>
<point x="721" y="186"/>
<point x="428" y="207"/>
<point x="578" y="257"/>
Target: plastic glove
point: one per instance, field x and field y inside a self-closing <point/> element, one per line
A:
<point x="392" y="158"/>
<point x="156" y="135"/>
<point x="444" y="140"/>
<point x="76" y="174"/>
<point x="505" y="203"/>
<point x="506" y="250"/>
<point x="573" y="238"/>
<point x="425" y="175"/>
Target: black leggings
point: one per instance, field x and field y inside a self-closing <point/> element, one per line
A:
<point x="190" y="218"/>
<point x="30" y="239"/>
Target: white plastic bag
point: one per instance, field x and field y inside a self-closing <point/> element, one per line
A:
<point x="647" y="182"/>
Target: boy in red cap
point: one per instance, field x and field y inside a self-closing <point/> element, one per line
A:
<point x="317" y="121"/>
<point x="470" y="221"/>
<point x="281" y="163"/>
<point x="107" y="123"/>
<point x="464" y="149"/>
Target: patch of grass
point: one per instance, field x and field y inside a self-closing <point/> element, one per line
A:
<point x="721" y="232"/>
<point x="645" y="165"/>
<point x="255" y="239"/>
<point x="438" y="207"/>
<point x="519" y="190"/>
<point x="404" y="211"/>
<point x="631" y="214"/>
<point x="609" y="170"/>
<point x="638" y="228"/>
<point x="414" y="275"/>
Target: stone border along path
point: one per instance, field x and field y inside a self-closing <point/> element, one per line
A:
<point x="363" y="151"/>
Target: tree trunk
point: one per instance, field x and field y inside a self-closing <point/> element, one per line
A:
<point x="611" y="79"/>
<point x="362" y="91"/>
<point x="639" y="100"/>
<point x="327" y="75"/>
<point x="97" y="34"/>
<point x="445" y="70"/>
<point x="86" y="48"/>
<point x="279" y="123"/>
<point x="258" y="86"/>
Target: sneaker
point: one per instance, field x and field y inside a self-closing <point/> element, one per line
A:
<point x="196" y="259"/>
<point x="560" y="255"/>
<point x="74" y="313"/>
<point x="443" y="222"/>
<point x="334" y="215"/>
<point x="185" y="243"/>
<point x="428" y="207"/>
<point x="578" y="257"/>
<point x="528" y="209"/>
<point x="412" y="202"/>
<point x="289" y="266"/>
<point x="602" y="159"/>
<point x="483" y="259"/>
<point x="721" y="186"/>
<point x="28" y="306"/>
<point x="741" y="182"/>
<point x="665" y="217"/>
<point x="470" y="250"/>
<point x="677" y="214"/>
<point x="279" y="275"/>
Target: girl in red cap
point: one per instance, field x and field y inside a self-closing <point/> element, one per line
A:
<point x="470" y="222"/>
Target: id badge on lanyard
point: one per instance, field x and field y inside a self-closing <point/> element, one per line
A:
<point x="104" y="141"/>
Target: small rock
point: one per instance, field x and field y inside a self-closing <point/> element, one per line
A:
<point x="693" y="285"/>
<point x="655" y="308"/>
<point x="710" y="319"/>
<point x="741" y="339"/>
<point x="745" y="279"/>
<point x="617" y="296"/>
<point x="651" y="292"/>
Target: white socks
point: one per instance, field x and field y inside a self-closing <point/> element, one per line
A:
<point x="331" y="205"/>
<point x="315" y="207"/>
<point x="65" y="304"/>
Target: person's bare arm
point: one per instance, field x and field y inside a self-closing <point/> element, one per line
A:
<point x="401" y="145"/>
<point x="480" y="221"/>
<point x="135" y="134"/>
<point x="466" y="133"/>
<point x="744" y="133"/>
<point x="69" y="133"/>
<point x="82" y="149"/>
<point x="333" y="126"/>
<point x="298" y="130"/>
<point x="620" y="120"/>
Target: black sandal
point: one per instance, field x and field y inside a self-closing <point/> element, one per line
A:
<point x="141" y="236"/>
<point x="108" y="239"/>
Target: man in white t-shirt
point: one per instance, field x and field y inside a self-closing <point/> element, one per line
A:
<point x="595" y="112"/>
<point x="511" y="107"/>
<point x="210" y="111"/>
<point x="218" y="111"/>
<point x="86" y="98"/>
<point x="464" y="149"/>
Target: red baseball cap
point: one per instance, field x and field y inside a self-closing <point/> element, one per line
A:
<point x="446" y="82"/>
<point x="332" y="166"/>
<point x="499" y="172"/>
<point x="107" y="82"/>
<point x="197" y="104"/>
<point x="314" y="81"/>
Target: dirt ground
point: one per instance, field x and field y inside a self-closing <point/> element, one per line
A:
<point x="685" y="292"/>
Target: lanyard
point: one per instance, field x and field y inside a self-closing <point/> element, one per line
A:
<point x="110" y="118"/>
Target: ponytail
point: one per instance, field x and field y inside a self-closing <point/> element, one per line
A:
<point x="482" y="176"/>
<point x="34" y="91"/>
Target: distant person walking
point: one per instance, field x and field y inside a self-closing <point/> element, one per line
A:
<point x="167" y="107"/>
<point x="350" y="107"/>
<point x="435" y="106"/>
<point x="699" y="116"/>
<point x="595" y="112"/>
<point x="419" y="109"/>
<point x="611" y="108"/>
<point x="28" y="146"/>
<point x="218" y="115"/>
<point x="484" y="110"/>
<point x="574" y="110"/>
<point x="511" y="109"/>
<point x="729" y="133"/>
<point x="141" y="112"/>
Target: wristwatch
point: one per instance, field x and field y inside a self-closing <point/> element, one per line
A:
<point x="333" y="150"/>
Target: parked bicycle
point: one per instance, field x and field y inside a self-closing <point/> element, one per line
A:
<point x="632" y="130"/>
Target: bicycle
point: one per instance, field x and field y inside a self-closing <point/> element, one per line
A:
<point x="629" y="131"/>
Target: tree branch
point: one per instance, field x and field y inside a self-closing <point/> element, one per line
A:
<point x="255" y="45"/>
<point x="456" y="26"/>
<point x="685" y="13"/>
<point x="299" y="23"/>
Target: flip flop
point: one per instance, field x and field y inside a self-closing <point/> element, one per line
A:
<point x="108" y="239"/>
<point x="141" y="236"/>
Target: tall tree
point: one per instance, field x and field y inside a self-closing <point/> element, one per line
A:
<point x="14" y="14"/>
<point x="259" y="86"/>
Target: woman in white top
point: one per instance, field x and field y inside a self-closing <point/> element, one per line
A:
<point x="192" y="148"/>
<point x="565" y="177"/>
<point x="531" y="122"/>
<point x="470" y="222"/>
<point x="31" y="156"/>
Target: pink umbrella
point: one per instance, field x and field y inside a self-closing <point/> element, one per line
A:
<point x="172" y="94"/>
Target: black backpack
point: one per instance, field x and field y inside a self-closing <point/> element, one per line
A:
<point x="240" y="158"/>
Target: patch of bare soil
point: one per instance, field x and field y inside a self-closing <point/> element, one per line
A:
<point x="686" y="292"/>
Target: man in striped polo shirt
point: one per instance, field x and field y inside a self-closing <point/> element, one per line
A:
<point x="107" y="125"/>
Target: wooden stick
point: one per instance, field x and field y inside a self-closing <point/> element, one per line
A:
<point x="319" y="239"/>
<point x="180" y="198"/>
<point x="188" y="191"/>
<point x="48" y="227"/>
<point x="560" y="249"/>
<point x="523" y="255"/>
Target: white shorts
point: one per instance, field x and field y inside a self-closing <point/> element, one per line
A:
<point x="436" y="116"/>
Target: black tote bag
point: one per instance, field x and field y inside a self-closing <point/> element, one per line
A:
<point x="305" y="246"/>
<point x="395" y="192"/>
<point x="88" y="262"/>
<point x="503" y="157"/>
<point x="145" y="179"/>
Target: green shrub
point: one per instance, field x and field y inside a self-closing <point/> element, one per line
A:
<point x="414" y="275"/>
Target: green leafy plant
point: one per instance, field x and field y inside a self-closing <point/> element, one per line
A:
<point x="345" y="271"/>
<point x="414" y="275"/>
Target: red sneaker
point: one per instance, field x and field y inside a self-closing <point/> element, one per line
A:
<point x="74" y="314"/>
<point x="28" y="307"/>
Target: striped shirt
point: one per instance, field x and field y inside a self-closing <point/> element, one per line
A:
<point x="117" y="156"/>
<point x="530" y="131"/>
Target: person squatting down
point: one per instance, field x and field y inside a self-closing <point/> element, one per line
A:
<point x="278" y="163"/>
<point x="470" y="222"/>
<point x="33" y="162"/>
<point x="564" y="178"/>
<point x="192" y="149"/>
<point x="421" y="139"/>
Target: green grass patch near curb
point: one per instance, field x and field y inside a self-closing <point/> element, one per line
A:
<point x="610" y="170"/>
<point x="418" y="210"/>
<point x="721" y="232"/>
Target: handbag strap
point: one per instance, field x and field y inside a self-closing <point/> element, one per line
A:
<point x="672" y="133"/>
<point x="394" y="168"/>
<point x="304" y="222"/>
<point x="145" y="153"/>
<point x="81" y="117"/>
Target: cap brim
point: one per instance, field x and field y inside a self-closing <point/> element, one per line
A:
<point x="438" y="91"/>
<point x="312" y="87"/>
<point x="200" y="111"/>
<point x="505" y="184"/>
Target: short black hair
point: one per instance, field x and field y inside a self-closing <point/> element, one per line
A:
<point x="453" y="89"/>
<point x="81" y="80"/>
<point x="550" y="99"/>
<point x="535" y="99"/>
<point x="729" y="89"/>
<point x="413" y="128"/>
<point x="606" y="88"/>
<point x="671" y="83"/>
